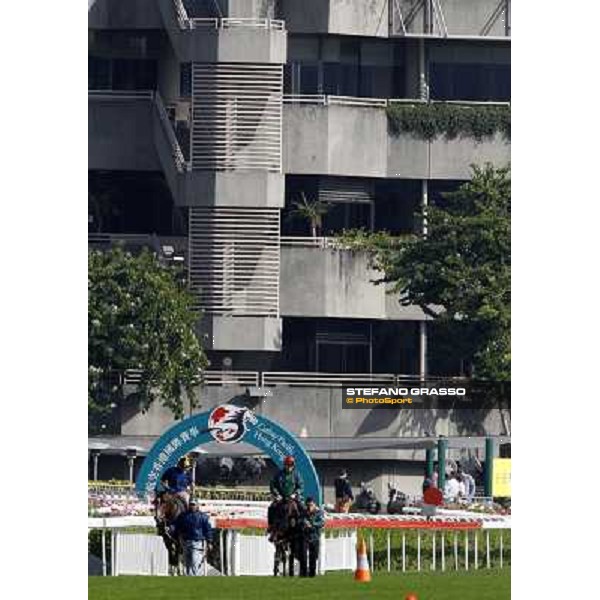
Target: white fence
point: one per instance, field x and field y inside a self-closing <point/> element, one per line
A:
<point x="456" y="544"/>
<point x="139" y="554"/>
<point x="145" y="554"/>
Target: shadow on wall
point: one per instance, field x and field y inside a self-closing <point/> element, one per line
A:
<point x="425" y="422"/>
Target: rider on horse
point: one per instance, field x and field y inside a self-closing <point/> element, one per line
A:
<point x="285" y="486"/>
<point x="178" y="481"/>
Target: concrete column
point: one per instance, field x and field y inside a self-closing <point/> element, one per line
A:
<point x="424" y="205"/>
<point x="131" y="461"/>
<point x="423" y="72"/>
<point x="427" y="17"/>
<point x="422" y="349"/>
<point x="489" y="466"/>
<point x="429" y="462"/>
<point x="442" y="447"/>
<point x="95" y="457"/>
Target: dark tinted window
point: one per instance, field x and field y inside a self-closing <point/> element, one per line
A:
<point x="470" y="82"/>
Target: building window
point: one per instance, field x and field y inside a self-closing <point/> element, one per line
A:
<point x="99" y="73"/>
<point x="121" y="74"/>
<point x="185" y="80"/>
<point x="449" y="81"/>
<point x="134" y="74"/>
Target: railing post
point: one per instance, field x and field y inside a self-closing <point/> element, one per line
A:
<point x="104" y="565"/>
<point x="443" y="557"/>
<point x="403" y="551"/>
<point x="389" y="552"/>
<point x="456" y="551"/>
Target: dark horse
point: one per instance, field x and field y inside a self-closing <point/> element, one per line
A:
<point x="288" y="537"/>
<point x="167" y="507"/>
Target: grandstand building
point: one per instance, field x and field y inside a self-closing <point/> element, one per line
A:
<point x="211" y="120"/>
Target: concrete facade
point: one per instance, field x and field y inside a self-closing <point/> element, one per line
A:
<point x="316" y="137"/>
<point x="336" y="283"/>
<point x="327" y="294"/>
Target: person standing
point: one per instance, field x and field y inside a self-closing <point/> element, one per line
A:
<point x="313" y="521"/>
<point x="193" y="527"/>
<point x="452" y="488"/>
<point x="343" y="493"/>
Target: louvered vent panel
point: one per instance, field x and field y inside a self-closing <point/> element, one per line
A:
<point x="234" y="260"/>
<point x="346" y="189"/>
<point x="237" y="117"/>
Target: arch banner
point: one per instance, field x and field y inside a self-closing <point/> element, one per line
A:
<point x="225" y="424"/>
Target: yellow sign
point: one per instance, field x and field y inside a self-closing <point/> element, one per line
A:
<point x="501" y="481"/>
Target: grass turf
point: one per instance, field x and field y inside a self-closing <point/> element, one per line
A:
<point x="472" y="585"/>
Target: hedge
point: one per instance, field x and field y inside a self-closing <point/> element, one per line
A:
<point x="431" y="121"/>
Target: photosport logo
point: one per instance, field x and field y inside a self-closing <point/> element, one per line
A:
<point x="422" y="394"/>
<point x="228" y="424"/>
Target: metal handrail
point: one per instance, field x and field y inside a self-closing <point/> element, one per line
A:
<point x="357" y="101"/>
<point x="178" y="155"/>
<point x="308" y="242"/>
<point x="121" y="94"/>
<point x="230" y="22"/>
<point x="295" y="378"/>
<point x="248" y="378"/>
<point x="298" y="379"/>
<point x="326" y="100"/>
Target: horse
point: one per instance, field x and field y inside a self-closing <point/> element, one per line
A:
<point x="288" y="537"/>
<point x="167" y="507"/>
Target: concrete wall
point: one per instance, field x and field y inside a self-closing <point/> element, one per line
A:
<point x="317" y="412"/>
<point x="359" y="17"/>
<point x="242" y="333"/>
<point x="234" y="188"/>
<point x="462" y="17"/>
<point x="451" y="159"/>
<point x="344" y="17"/>
<point x="354" y="141"/>
<point x="120" y="135"/>
<point x="472" y="17"/>
<point x="334" y="140"/>
<point x="251" y="9"/>
<point x="331" y="283"/>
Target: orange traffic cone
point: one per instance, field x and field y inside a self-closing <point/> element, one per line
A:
<point x="362" y="572"/>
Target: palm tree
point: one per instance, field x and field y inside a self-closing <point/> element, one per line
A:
<point x="311" y="211"/>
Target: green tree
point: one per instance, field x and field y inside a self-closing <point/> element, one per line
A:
<point x="140" y="317"/>
<point x="459" y="272"/>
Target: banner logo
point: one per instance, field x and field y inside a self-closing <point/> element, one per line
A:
<point x="228" y="424"/>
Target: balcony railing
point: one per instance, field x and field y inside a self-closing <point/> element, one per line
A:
<point x="121" y="94"/>
<point x="309" y="242"/>
<point x="298" y="379"/>
<point x="326" y="100"/>
<point x="187" y="22"/>
<point x="229" y="22"/>
<point x="294" y="378"/>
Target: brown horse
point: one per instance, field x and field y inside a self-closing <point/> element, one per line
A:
<point x="287" y="537"/>
<point x="167" y="507"/>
